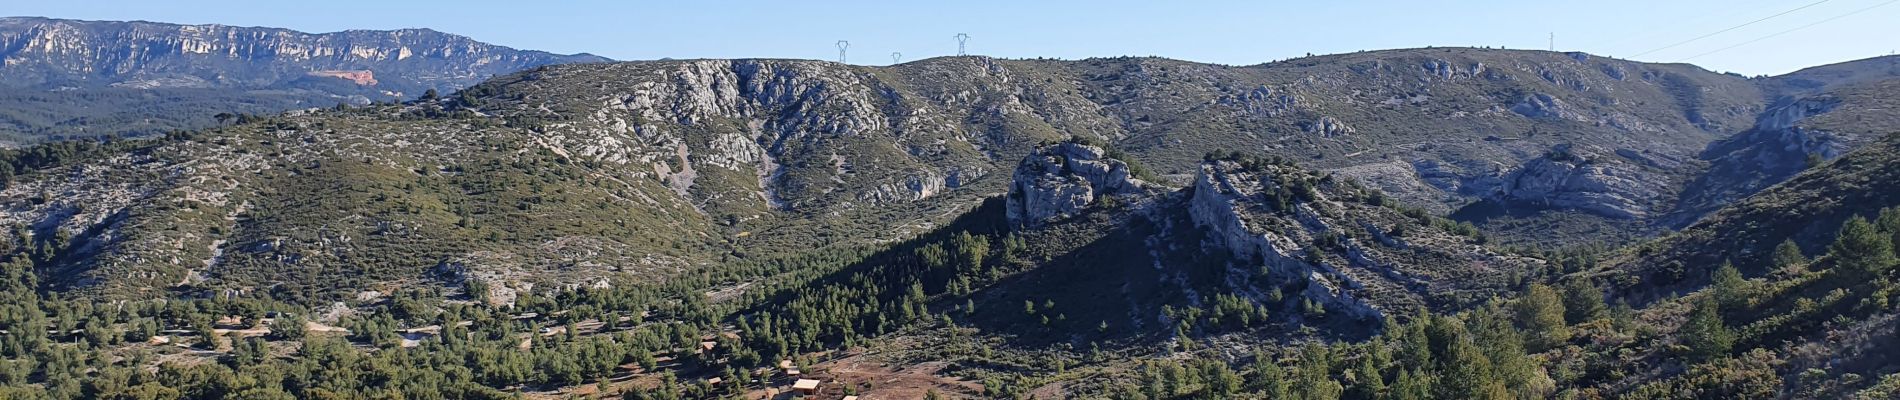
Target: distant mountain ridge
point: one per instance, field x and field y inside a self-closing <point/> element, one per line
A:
<point x="61" y="71"/>
<point x="40" y="52"/>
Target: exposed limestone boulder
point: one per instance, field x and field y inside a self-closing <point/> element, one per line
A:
<point x="1545" y="106"/>
<point x="1329" y="127"/>
<point x="1059" y="180"/>
<point x="1264" y="101"/>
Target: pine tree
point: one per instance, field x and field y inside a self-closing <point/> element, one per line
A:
<point x="1409" y="386"/>
<point x="1541" y="313"/>
<point x="207" y="338"/>
<point x="1889" y="223"/>
<point x="1503" y="346"/>
<point x="287" y="328"/>
<point x="1219" y="381"/>
<point x="1788" y="256"/>
<point x="1583" y="302"/>
<point x="1860" y="253"/>
<point x="1313" y="380"/>
<point x="1464" y="371"/>
<point x="1704" y="333"/>
<point x="1728" y="287"/>
<point x="1367" y="382"/>
<point x="1269" y="378"/>
<point x="1414" y="346"/>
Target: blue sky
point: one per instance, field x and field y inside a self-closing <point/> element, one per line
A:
<point x="1229" y="32"/>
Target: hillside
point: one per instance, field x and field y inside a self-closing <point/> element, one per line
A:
<point x="1791" y="136"/>
<point x="749" y="159"/>
<point x="1790" y="290"/>
<point x="1515" y="141"/>
<point x="68" y="78"/>
<point x="1369" y="225"/>
<point x="1808" y="209"/>
<point x="1310" y="248"/>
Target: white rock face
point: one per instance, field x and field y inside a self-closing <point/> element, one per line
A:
<point x="1060" y="180"/>
<point x="1217" y="198"/>
<point x="1781" y="126"/>
<point x="1570" y="177"/>
<point x="1545" y="106"/>
<point x="1778" y="147"/>
<point x="1329" y="127"/>
<point x="148" y="55"/>
<point x="1220" y="205"/>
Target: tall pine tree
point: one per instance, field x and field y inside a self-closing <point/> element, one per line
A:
<point x="1464" y="371"/>
<point x="1704" y="333"/>
<point x="1728" y="287"/>
<point x="1861" y="253"/>
<point x="1541" y="313"/>
<point x="1889" y="223"/>
<point x="1583" y="302"/>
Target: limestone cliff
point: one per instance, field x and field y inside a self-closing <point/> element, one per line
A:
<point x="1314" y="248"/>
<point x="41" y="52"/>
<point x="1333" y="242"/>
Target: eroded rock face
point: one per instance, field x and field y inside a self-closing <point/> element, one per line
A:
<point x="1545" y="106"/>
<point x="1058" y="181"/>
<point x="40" y="51"/>
<point x="1318" y="238"/>
<point x="1778" y="147"/>
<point x="1225" y="199"/>
<point x="1583" y="179"/>
<point x="1780" y="127"/>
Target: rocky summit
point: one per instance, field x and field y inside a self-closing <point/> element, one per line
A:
<point x="1059" y="180"/>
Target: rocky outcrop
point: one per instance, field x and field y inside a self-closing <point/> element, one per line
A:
<point x="1777" y="148"/>
<point x="1317" y="236"/>
<point x="1583" y="179"/>
<point x="365" y="77"/>
<point x="1780" y="131"/>
<point x="1060" y="180"/>
<point x="1329" y="127"/>
<point x="1545" y="106"/>
<point x="1226" y="197"/>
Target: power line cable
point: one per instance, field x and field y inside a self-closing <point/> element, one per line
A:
<point x="1729" y="29"/>
<point x="1651" y="31"/>
<point x="1855" y="12"/>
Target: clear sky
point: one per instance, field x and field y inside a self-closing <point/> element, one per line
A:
<point x="1228" y="32"/>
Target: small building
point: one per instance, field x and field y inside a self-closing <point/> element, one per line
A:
<point x="805" y="387"/>
<point x="707" y="346"/>
<point x="794" y="372"/>
<point x="714" y="381"/>
<point x="850" y="398"/>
